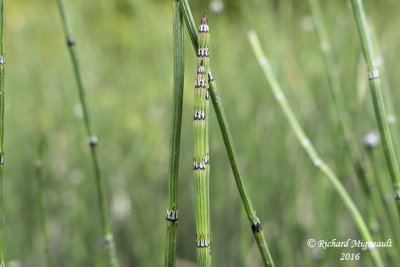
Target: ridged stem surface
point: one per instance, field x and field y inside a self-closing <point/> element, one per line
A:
<point x="229" y="145"/>
<point x="175" y="136"/>
<point x="201" y="166"/>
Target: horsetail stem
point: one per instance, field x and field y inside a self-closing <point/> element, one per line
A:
<point x="200" y="173"/>
<point x="191" y="26"/>
<point x="377" y="97"/>
<point x="335" y="88"/>
<point x="93" y="142"/>
<point x="231" y="150"/>
<point x="309" y="148"/>
<point x="175" y="136"/>
<point x="229" y="145"/>
<point x="358" y="161"/>
<point x="201" y="167"/>
<point x="203" y="55"/>
<point x="2" y="62"/>
<point x="42" y="208"/>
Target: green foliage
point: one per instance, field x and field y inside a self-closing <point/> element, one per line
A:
<point x="126" y="59"/>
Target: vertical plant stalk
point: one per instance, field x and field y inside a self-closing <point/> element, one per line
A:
<point x="229" y="145"/>
<point x="42" y="207"/>
<point x="175" y="137"/>
<point x="358" y="161"/>
<point x="201" y="166"/>
<point x="309" y="148"/>
<point x="199" y="172"/>
<point x="335" y="88"/>
<point x="377" y="97"/>
<point x="2" y="63"/>
<point x="388" y="218"/>
<point x="93" y="141"/>
<point x="333" y="77"/>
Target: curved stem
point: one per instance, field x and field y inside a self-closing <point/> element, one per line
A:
<point x="309" y="148"/>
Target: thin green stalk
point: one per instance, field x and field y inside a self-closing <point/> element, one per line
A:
<point x="308" y="147"/>
<point x="201" y="166"/>
<point x="230" y="147"/>
<point x="377" y="97"/>
<point x="387" y="213"/>
<point x="333" y="77"/>
<point x="2" y="62"/>
<point x="42" y="207"/>
<point x="335" y="88"/>
<point x="175" y="137"/>
<point x="358" y="161"/>
<point x="93" y="142"/>
<point x="231" y="150"/>
<point x="191" y="26"/>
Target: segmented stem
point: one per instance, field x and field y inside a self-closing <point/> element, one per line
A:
<point x="93" y="142"/>
<point x="175" y="136"/>
<point x="309" y="148"/>
<point x="229" y="145"/>
<point x="201" y="167"/>
<point x="42" y="207"/>
<point x="358" y="161"/>
<point x="2" y="63"/>
<point x="377" y="97"/>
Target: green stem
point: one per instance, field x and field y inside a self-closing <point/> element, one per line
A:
<point x="229" y="145"/>
<point x="308" y="147"/>
<point x="231" y="150"/>
<point x="201" y="166"/>
<point x="2" y="62"/>
<point x="191" y="26"/>
<point x="42" y="207"/>
<point x="389" y="210"/>
<point x="377" y="97"/>
<point x="93" y="142"/>
<point x="175" y="139"/>
<point x="335" y="88"/>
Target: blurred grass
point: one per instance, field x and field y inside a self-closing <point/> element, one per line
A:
<point x="125" y="51"/>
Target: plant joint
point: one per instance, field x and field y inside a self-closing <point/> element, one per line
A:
<point x="93" y="142"/>
<point x="71" y="41"/>
<point x="172" y="216"/>
<point x="256" y="226"/>
<point x="109" y="240"/>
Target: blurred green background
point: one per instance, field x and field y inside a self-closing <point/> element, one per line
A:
<point x="125" y="50"/>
